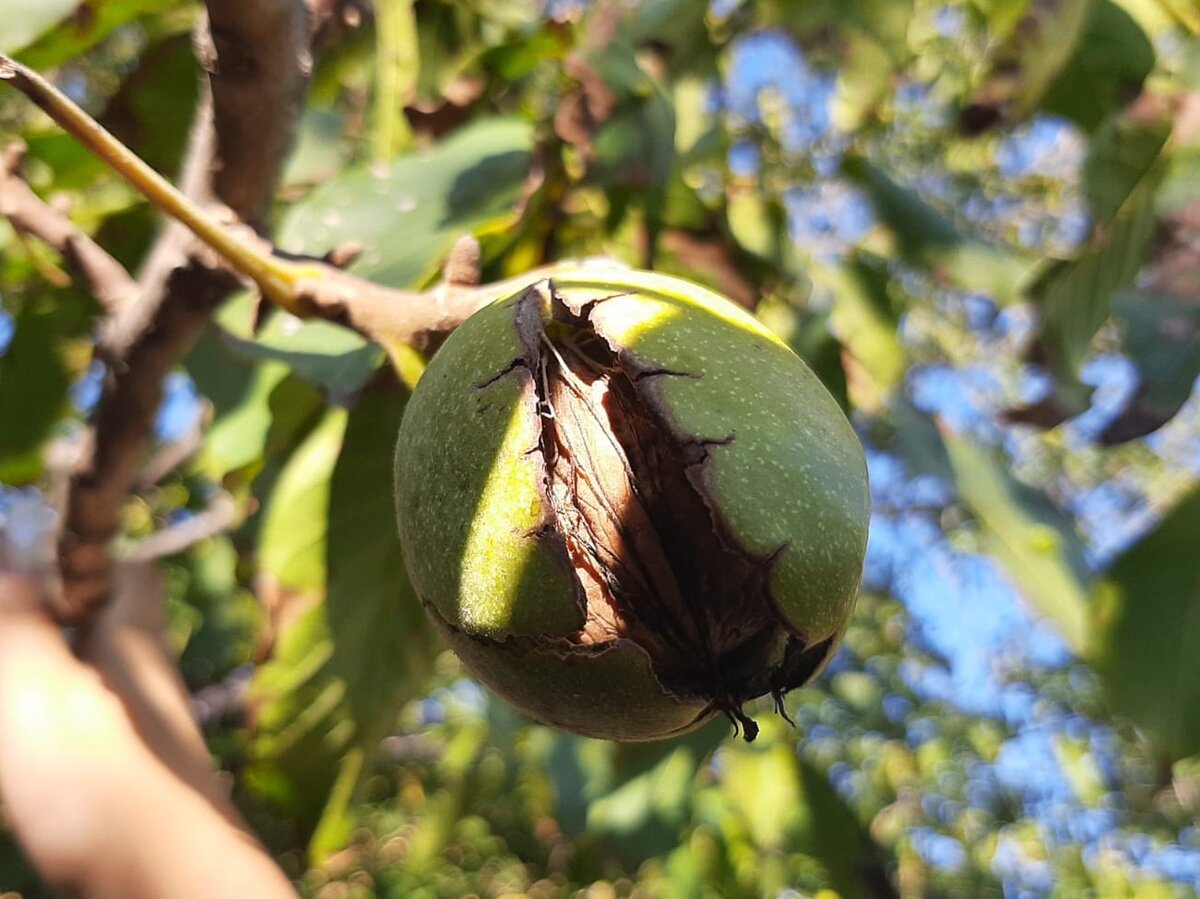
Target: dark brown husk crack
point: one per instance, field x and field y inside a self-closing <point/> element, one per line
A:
<point x="654" y="562"/>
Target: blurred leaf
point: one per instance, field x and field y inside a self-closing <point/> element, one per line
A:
<point x="886" y="21"/>
<point x="865" y="78"/>
<point x="758" y="224"/>
<point x="1036" y="544"/>
<point x="789" y="806"/>
<point x="635" y="797"/>
<point x="326" y="355"/>
<point x="925" y="236"/>
<point x="856" y="864"/>
<point x="679" y="30"/>
<point x="342" y="671"/>
<point x="153" y="109"/>
<point x="258" y="410"/>
<point x="457" y="38"/>
<point x="1122" y="156"/>
<point x="33" y="393"/>
<point x="762" y="781"/>
<point x="864" y="321"/>
<point x="1162" y="336"/>
<point x="291" y="542"/>
<point x="25" y="20"/>
<point x="384" y="645"/>
<point x="1121" y="180"/>
<point x="93" y="23"/>
<point x="1107" y="69"/>
<point x="1025" y="61"/>
<point x="1185" y="12"/>
<point x="914" y="437"/>
<point x="1148" y="626"/>
<point x="228" y="618"/>
<point x="635" y="145"/>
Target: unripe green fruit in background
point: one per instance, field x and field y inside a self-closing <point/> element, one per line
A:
<point x="628" y="506"/>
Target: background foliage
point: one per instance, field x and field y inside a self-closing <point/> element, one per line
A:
<point x="973" y="218"/>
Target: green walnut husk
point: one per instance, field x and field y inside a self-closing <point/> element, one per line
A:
<point x="628" y="506"/>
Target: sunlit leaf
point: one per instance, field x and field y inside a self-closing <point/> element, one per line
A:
<point x="258" y="410"/>
<point x="343" y="668"/>
<point x="95" y="22"/>
<point x="1037" y="546"/>
<point x="633" y="798"/>
<point x="25" y="20"/>
<point x="865" y="322"/>
<point x="405" y="216"/>
<point x="788" y="805"/>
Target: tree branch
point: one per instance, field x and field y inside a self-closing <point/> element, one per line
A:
<point x="124" y="432"/>
<point x="259" y="59"/>
<point x="106" y="279"/>
<point x="259" y="56"/>
<point x="146" y="340"/>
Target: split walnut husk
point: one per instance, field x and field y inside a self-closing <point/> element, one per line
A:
<point x="628" y="507"/>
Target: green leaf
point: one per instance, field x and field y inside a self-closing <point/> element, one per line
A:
<point x="911" y="435"/>
<point x="1122" y="178"/>
<point x="259" y="411"/>
<point x="344" y="668"/>
<point x="1148" y="626"/>
<point x="92" y="26"/>
<point x="865" y="322"/>
<point x="1162" y="336"/>
<point x="1036" y="544"/>
<point x="221" y="620"/>
<point x="398" y="66"/>
<point x="384" y="644"/>
<point x="326" y="355"/>
<point x="1122" y="157"/>
<point x="33" y="393"/>
<point x="634" y="797"/>
<point x="758" y="224"/>
<point x="787" y="805"/>
<point x="26" y="20"/>
<point x="865" y="78"/>
<point x="1112" y="60"/>
<point x="406" y="216"/>
<point x="153" y="110"/>
<point x="1025" y="61"/>
<point x="291" y="542"/>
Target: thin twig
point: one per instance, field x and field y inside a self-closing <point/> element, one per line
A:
<point x="172" y="456"/>
<point x="272" y="278"/>
<point x="219" y="517"/>
<point x="308" y="288"/>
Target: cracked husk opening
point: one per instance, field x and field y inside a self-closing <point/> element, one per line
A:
<point x="653" y="561"/>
